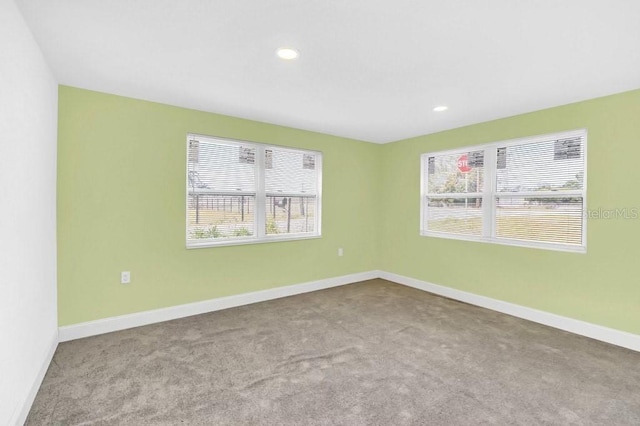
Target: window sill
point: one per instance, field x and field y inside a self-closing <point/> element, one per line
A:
<point x="508" y="242"/>
<point x="249" y="241"/>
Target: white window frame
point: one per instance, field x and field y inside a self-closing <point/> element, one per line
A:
<point x="259" y="235"/>
<point x="489" y="194"/>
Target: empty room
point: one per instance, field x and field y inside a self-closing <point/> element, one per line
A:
<point x="302" y="212"/>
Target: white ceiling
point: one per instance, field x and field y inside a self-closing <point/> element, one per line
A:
<point x="368" y="69"/>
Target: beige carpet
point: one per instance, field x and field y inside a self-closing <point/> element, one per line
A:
<point x="372" y="353"/>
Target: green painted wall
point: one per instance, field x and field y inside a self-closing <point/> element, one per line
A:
<point x="601" y="286"/>
<point x="121" y="196"/>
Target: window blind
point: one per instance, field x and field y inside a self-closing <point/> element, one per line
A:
<point x="530" y="191"/>
<point x="455" y="183"/>
<point x="291" y="186"/>
<point x="246" y="192"/>
<point x="540" y="191"/>
<point x="221" y="189"/>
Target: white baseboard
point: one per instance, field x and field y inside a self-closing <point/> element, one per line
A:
<point x="594" y="331"/>
<point x="21" y="415"/>
<point x="107" y="325"/>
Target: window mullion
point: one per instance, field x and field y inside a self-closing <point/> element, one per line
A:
<point x="424" y="189"/>
<point x="261" y="197"/>
<point x="488" y="198"/>
<point x="318" y="216"/>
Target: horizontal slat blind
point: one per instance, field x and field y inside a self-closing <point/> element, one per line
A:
<point x="221" y="167"/>
<point x="222" y="190"/>
<point x="547" y="220"/>
<point x="540" y="191"/>
<point x="454" y="184"/>
<point x="455" y="215"/>
<point x="528" y="192"/>
<point x="551" y="165"/>
<point x="247" y="192"/>
<point x="461" y="172"/>
<point x="291" y="185"/>
<point x="290" y="172"/>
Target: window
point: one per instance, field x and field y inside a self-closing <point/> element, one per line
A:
<point x="244" y="192"/>
<point x="528" y="192"/>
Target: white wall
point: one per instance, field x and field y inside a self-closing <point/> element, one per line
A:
<point x="28" y="133"/>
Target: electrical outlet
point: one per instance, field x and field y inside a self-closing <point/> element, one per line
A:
<point x="340" y="252"/>
<point x="125" y="277"/>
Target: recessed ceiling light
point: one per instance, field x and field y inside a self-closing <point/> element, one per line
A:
<point x="441" y="108"/>
<point x="287" y="53"/>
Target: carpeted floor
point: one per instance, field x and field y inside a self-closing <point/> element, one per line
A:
<point x="372" y="353"/>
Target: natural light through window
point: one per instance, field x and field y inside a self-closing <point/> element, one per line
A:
<point x="529" y="192"/>
<point x="245" y="192"/>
